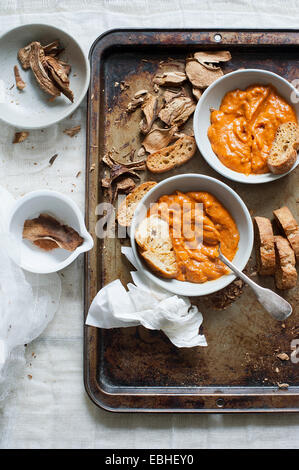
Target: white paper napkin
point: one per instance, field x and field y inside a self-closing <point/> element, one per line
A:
<point x="148" y="305"/>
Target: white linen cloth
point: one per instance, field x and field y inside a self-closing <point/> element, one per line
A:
<point x="52" y="410"/>
<point x="147" y="305"/>
<point x="28" y="303"/>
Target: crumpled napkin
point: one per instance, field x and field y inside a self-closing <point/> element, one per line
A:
<point x="28" y="303"/>
<point x="146" y="304"/>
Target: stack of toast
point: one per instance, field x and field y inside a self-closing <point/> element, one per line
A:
<point x="276" y="254"/>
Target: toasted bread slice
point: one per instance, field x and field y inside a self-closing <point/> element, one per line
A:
<point x="127" y="208"/>
<point x="283" y="153"/>
<point x="285" y="274"/>
<point x="264" y="246"/>
<point x="172" y="156"/>
<point x="153" y="234"/>
<point x="155" y="246"/>
<point x="164" y="264"/>
<point x="288" y="224"/>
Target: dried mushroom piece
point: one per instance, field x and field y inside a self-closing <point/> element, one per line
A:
<point x="141" y="153"/>
<point x="177" y="111"/>
<point x="196" y="92"/>
<point x="65" y="66"/>
<point x="20" y="137"/>
<point x="212" y="57"/>
<point x="171" y="93"/>
<point x="150" y="111"/>
<point x="111" y="162"/>
<point x="20" y="84"/>
<point x="137" y="101"/>
<point x="47" y="228"/>
<point x="158" y="138"/>
<point x="124" y="185"/>
<point x="72" y="131"/>
<point x="170" y="78"/>
<point x="23" y="56"/>
<point x="58" y="73"/>
<point x="121" y="176"/>
<point x="199" y="75"/>
<point x="53" y="48"/>
<point x="50" y="72"/>
<point x="172" y="65"/>
<point x="37" y="63"/>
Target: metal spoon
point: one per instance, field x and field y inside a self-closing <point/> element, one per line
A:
<point x="278" y="307"/>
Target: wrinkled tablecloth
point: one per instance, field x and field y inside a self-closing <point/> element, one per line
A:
<point x="50" y="408"/>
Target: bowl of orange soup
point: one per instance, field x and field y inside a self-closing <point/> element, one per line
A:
<point x="192" y="199"/>
<point x="236" y="119"/>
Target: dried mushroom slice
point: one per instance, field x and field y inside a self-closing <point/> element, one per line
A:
<point x="58" y="73"/>
<point x="37" y="64"/>
<point x="177" y="111"/>
<point x="199" y="75"/>
<point x="137" y="101"/>
<point x="150" y="111"/>
<point x="174" y="78"/>
<point x="212" y="57"/>
<point x="121" y="176"/>
<point x="53" y="49"/>
<point x="171" y="93"/>
<point x="20" y="84"/>
<point x="72" y="131"/>
<point x="196" y="92"/>
<point x="47" y="228"/>
<point x="23" y="56"/>
<point x="65" y="66"/>
<point x="20" y="137"/>
<point x="158" y="138"/>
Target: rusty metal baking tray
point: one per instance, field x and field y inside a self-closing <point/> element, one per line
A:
<point x="133" y="369"/>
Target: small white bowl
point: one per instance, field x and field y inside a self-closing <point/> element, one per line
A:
<point x="230" y="200"/>
<point x="212" y="97"/>
<point x="31" y="108"/>
<point x="27" y="255"/>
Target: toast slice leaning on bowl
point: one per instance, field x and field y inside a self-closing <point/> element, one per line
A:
<point x="283" y="153"/>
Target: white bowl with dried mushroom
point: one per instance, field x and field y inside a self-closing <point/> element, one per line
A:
<point x="49" y="231"/>
<point x="45" y="76"/>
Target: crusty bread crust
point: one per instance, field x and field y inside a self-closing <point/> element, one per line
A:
<point x="172" y="156"/>
<point x="285" y="274"/>
<point x="264" y="244"/>
<point x="164" y="264"/>
<point x="283" y="153"/>
<point x="127" y="208"/>
<point x="155" y="246"/>
<point x="288" y="224"/>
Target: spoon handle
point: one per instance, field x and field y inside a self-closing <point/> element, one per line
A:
<point x="277" y="306"/>
<point x="239" y="273"/>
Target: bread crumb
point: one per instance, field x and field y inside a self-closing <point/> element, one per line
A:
<point x="283" y="357"/>
<point x="283" y="386"/>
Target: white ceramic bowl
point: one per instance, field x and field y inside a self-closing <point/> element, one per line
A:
<point x="31" y="108"/>
<point x="212" y="97"/>
<point x="232" y="202"/>
<point x="27" y="255"/>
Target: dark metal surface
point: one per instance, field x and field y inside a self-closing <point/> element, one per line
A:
<point x="134" y="369"/>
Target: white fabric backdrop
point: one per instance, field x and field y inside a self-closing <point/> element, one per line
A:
<point x="51" y="410"/>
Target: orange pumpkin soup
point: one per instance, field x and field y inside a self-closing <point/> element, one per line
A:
<point x="197" y="221"/>
<point x="243" y="129"/>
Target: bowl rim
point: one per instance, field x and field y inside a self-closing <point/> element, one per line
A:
<point x="220" y="167"/>
<point x="68" y="112"/>
<point x="88" y="240"/>
<point x="211" y="288"/>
